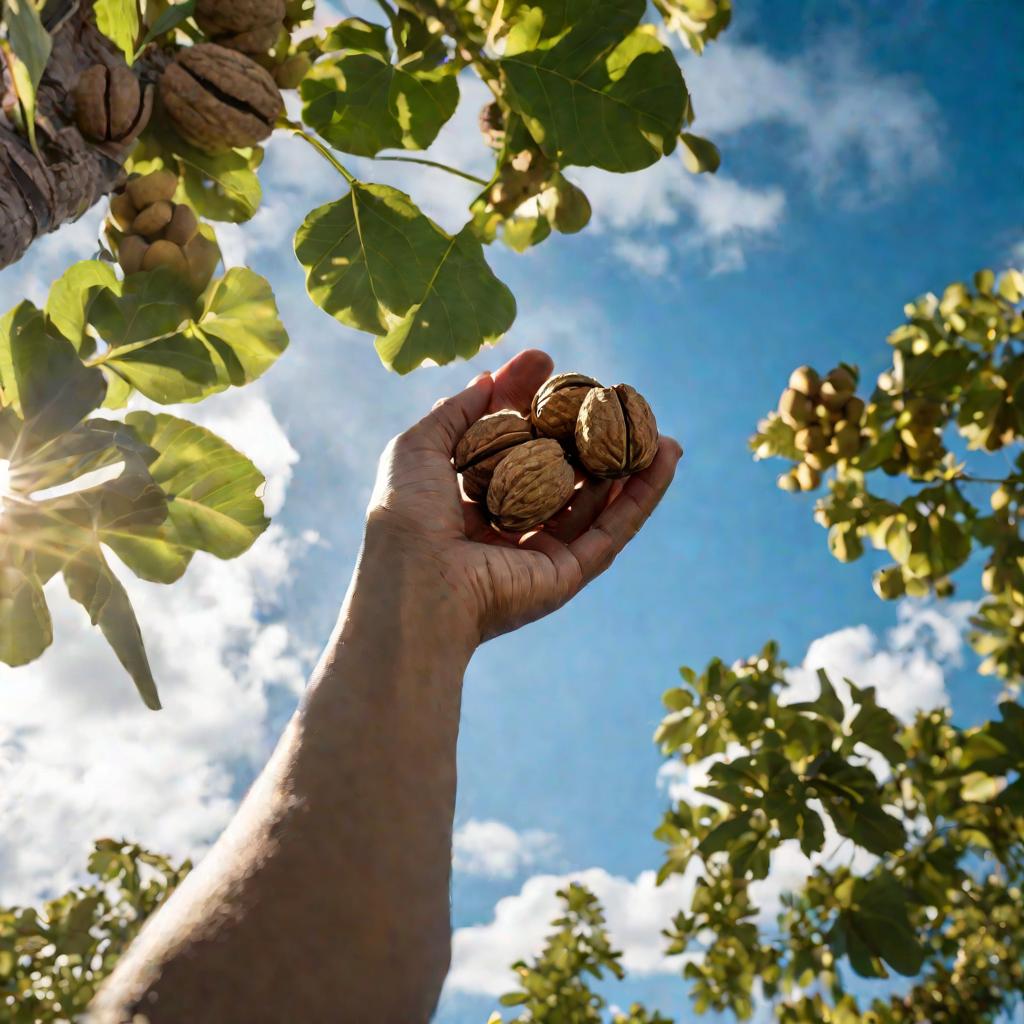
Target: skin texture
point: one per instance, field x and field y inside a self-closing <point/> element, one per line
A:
<point x="326" y="898"/>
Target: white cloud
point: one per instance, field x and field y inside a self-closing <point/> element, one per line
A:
<point x="637" y="911"/>
<point x="859" y="131"/>
<point x="649" y="258"/>
<point x="908" y="669"/>
<point x="494" y="850"/>
<point x="80" y="757"/>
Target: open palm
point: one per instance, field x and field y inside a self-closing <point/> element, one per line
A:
<point x="504" y="580"/>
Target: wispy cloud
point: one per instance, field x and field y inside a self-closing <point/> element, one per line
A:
<point x="80" y="756"/>
<point x="637" y="912"/>
<point x="492" y="849"/>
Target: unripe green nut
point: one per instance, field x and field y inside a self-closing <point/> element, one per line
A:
<point x="788" y="482"/>
<point x="1000" y="499"/>
<point x="807" y="477"/>
<point x="291" y="71"/>
<point x="123" y="210"/>
<point x="151" y="188"/>
<point x="182" y="226"/>
<point x="153" y="219"/>
<point x="130" y="251"/>
<point x="795" y="408"/>
<point x="805" y="380"/>
<point x="810" y="439"/>
<point x="888" y="583"/>
<point x="165" y="254"/>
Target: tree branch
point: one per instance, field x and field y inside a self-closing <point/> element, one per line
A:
<point x="39" y="195"/>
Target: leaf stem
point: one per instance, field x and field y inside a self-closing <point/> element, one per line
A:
<point x="297" y="129"/>
<point x="434" y="163"/>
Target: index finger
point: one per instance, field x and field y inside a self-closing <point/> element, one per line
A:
<point x="621" y="520"/>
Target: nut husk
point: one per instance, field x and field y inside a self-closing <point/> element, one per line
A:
<point x="616" y="432"/>
<point x="557" y="404"/>
<point x="110" y="105"/>
<point x="151" y="188"/>
<point x="230" y="17"/>
<point x="484" y="445"/>
<point x="219" y="99"/>
<point x="531" y="483"/>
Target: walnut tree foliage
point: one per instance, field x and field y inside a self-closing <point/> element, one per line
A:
<point x="54" y="957"/>
<point x="578" y="83"/>
<point x="915" y="831"/>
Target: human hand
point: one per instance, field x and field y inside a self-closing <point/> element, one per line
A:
<point x="500" y="581"/>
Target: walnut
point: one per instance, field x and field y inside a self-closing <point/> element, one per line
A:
<point x="557" y="404"/>
<point x="231" y="17"/>
<point x="219" y="99"/>
<point x="616" y="433"/>
<point x="531" y="483"/>
<point x="484" y="445"/>
<point x="110" y="105"/>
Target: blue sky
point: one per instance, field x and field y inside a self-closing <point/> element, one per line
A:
<point x="869" y="154"/>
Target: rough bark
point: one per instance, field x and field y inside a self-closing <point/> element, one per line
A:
<point x="39" y="195"/>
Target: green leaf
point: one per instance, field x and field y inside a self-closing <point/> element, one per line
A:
<point x="240" y="320"/>
<point x="356" y="35"/>
<point x="149" y="305"/>
<point x="220" y="186"/>
<point x="725" y="834"/>
<point x="71" y="297"/>
<point x="170" y="19"/>
<point x="159" y="349"/>
<point x="30" y="44"/>
<point x="91" y="445"/>
<point x="700" y="156"/>
<point x="875" y="726"/>
<point x="592" y="87"/>
<point x="42" y="378"/>
<point x="879" y="918"/>
<point x="375" y="262"/>
<point x="361" y="103"/>
<point x="211" y="488"/>
<point x="25" y="627"/>
<point x="91" y="583"/>
<point x="118" y="20"/>
<point x="463" y="307"/>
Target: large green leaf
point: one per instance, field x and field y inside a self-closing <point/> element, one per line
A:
<point x="158" y="348"/>
<point x="91" y="583"/>
<point x="41" y="377"/>
<point x="362" y="103"/>
<point x="375" y="262"/>
<point x="25" y="627"/>
<point x="211" y="488"/>
<point x="72" y="295"/>
<point x="463" y="307"/>
<point x="118" y="20"/>
<point x="30" y="45"/>
<point x="241" y="322"/>
<point x="220" y="186"/>
<point x="593" y="88"/>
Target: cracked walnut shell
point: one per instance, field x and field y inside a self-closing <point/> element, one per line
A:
<point x="110" y="104"/>
<point x="557" y="405"/>
<point x="616" y="433"/>
<point x="219" y="99"/>
<point x="484" y="445"/>
<point x="531" y="484"/>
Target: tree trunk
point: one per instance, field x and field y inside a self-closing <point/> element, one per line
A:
<point x="39" y="195"/>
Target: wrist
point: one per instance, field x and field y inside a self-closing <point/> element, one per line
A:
<point x="403" y="609"/>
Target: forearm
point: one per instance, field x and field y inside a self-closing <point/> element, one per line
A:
<point x="327" y="897"/>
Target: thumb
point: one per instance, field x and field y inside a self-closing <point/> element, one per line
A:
<point x="445" y="424"/>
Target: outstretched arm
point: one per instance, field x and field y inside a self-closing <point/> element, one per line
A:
<point x="326" y="899"/>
